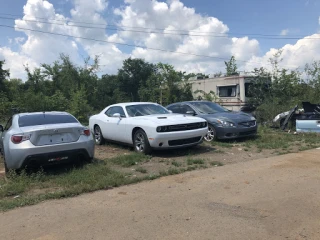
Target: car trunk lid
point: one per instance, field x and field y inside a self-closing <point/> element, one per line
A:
<point x="53" y="134"/>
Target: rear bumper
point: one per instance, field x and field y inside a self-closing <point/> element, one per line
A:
<point x="18" y="154"/>
<point x="55" y="158"/>
<point x="231" y="133"/>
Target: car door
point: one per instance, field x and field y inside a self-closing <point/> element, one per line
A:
<point x="115" y="127"/>
<point x="308" y="124"/>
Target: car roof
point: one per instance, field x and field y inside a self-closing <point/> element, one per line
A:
<point x="188" y="102"/>
<point x="48" y="113"/>
<point x="131" y="103"/>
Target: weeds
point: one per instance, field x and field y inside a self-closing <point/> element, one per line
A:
<point x="176" y="164"/>
<point x="130" y="159"/>
<point x="274" y="139"/>
<point x="216" y="164"/>
<point x="191" y="161"/>
<point x="141" y="169"/>
<point x="173" y="171"/>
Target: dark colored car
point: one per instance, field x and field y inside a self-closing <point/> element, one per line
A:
<point x="222" y="123"/>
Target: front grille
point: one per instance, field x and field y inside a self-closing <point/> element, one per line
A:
<point x="182" y="127"/>
<point x="184" y="141"/>
<point x="247" y="133"/>
<point x="248" y="124"/>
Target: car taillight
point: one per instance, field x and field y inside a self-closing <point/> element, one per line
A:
<point x="86" y="132"/>
<point x="16" y="139"/>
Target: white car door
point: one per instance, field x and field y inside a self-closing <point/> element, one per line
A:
<point x="115" y="126"/>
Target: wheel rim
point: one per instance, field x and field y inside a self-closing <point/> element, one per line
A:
<point x="139" y="142"/>
<point x="210" y="135"/>
<point x="97" y="135"/>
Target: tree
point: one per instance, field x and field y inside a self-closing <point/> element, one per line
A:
<point x="210" y="96"/>
<point x="133" y="75"/>
<point x="4" y="74"/>
<point x="231" y="67"/>
<point x="79" y="106"/>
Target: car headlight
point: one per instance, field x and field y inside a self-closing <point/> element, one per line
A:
<point x="162" y="129"/>
<point x="224" y="123"/>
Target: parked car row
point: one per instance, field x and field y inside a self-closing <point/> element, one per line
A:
<point x="52" y="137"/>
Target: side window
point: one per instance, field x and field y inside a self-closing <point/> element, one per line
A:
<point x="8" y="125"/>
<point x="109" y="112"/>
<point x="227" y="91"/>
<point x="114" y="110"/>
<point x="185" y="108"/>
<point x="175" y="108"/>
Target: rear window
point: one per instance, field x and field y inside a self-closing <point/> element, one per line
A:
<point x="43" y="119"/>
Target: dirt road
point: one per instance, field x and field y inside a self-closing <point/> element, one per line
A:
<point x="274" y="198"/>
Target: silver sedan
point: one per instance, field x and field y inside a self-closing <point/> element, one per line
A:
<point x="44" y="138"/>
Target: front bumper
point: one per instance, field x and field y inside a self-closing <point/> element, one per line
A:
<point x="235" y="132"/>
<point x="18" y="155"/>
<point x="181" y="139"/>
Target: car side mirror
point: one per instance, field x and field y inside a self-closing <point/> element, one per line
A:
<point x="169" y="111"/>
<point x="1" y="128"/>
<point x="191" y="113"/>
<point x="117" y="115"/>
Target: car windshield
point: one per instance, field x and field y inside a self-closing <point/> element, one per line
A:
<point x="145" y="109"/>
<point x="208" y="107"/>
<point x="43" y="119"/>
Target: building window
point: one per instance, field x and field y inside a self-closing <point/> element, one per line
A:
<point x="227" y="91"/>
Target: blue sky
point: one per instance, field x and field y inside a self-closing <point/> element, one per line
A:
<point x="298" y="18"/>
<point x="247" y="16"/>
<point x="264" y="16"/>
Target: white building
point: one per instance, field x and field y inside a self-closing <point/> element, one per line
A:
<point x="232" y="92"/>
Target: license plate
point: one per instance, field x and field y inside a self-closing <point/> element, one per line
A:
<point x="57" y="159"/>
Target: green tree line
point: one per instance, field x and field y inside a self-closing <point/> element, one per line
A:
<point x="65" y="86"/>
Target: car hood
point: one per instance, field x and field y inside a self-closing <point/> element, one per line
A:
<point x="170" y="119"/>
<point x="229" y="116"/>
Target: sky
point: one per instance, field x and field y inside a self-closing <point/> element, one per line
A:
<point x="205" y="33"/>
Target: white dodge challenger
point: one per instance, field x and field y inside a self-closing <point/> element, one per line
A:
<point x="147" y="126"/>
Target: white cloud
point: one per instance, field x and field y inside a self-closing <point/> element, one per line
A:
<point x="16" y="62"/>
<point x="294" y="56"/>
<point x="19" y="40"/>
<point x="171" y="17"/>
<point x="40" y="48"/>
<point x="160" y="24"/>
<point x="284" y="32"/>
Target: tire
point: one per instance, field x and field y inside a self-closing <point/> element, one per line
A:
<point x="140" y="142"/>
<point x="211" y="135"/>
<point x="98" y="137"/>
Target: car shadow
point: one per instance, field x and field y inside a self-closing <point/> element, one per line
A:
<point x="61" y="168"/>
<point x="191" y="151"/>
<point x="238" y="140"/>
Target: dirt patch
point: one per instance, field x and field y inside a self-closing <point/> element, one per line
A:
<point x="163" y="160"/>
<point x="201" y="156"/>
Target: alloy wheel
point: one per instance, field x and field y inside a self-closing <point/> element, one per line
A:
<point x="97" y="135"/>
<point x="140" y="142"/>
<point x="210" y="134"/>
